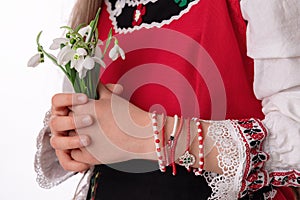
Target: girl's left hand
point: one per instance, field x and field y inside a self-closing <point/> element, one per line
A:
<point x="120" y="132"/>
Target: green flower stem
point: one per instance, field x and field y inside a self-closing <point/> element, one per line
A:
<point x="41" y="49"/>
<point x="94" y="25"/>
<point x="90" y="84"/>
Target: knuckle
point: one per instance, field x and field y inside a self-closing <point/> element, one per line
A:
<point x="54" y="100"/>
<point x="70" y="144"/>
<point x="53" y="142"/>
<point x="53" y="122"/>
<point x="66" y="166"/>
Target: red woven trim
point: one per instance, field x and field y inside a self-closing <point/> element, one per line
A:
<point x="285" y="178"/>
<point x="255" y="177"/>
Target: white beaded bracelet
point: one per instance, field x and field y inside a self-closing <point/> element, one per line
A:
<point x="157" y="142"/>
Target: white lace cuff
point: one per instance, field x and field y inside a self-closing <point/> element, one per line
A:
<point x="241" y="158"/>
<point x="49" y="172"/>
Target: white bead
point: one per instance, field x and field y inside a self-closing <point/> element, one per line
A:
<point x="201" y="155"/>
<point x="198" y="123"/>
<point x="200" y="146"/>
<point x="199" y="130"/>
<point x="201" y="163"/>
<point x="200" y="138"/>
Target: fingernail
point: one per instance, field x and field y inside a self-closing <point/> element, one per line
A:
<point x="84" y="140"/>
<point x="81" y="98"/>
<point x="87" y="120"/>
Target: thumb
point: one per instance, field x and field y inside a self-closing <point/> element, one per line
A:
<point x="103" y="90"/>
<point x="115" y="88"/>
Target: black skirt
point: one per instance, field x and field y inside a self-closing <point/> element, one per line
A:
<point x="121" y="181"/>
<point x="128" y="180"/>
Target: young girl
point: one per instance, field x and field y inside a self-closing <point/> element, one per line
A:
<point x="221" y="125"/>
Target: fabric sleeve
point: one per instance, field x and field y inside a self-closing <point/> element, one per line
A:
<point x="254" y="153"/>
<point x="273" y="42"/>
<point x="49" y="172"/>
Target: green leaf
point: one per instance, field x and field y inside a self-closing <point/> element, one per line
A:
<point x="108" y="41"/>
<point x="78" y="27"/>
<point x="94" y="25"/>
<point x="68" y="28"/>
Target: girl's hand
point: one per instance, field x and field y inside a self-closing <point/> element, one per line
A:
<point x="61" y="123"/>
<point x="120" y="132"/>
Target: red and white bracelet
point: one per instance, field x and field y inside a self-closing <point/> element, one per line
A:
<point x="187" y="159"/>
<point x="157" y="142"/>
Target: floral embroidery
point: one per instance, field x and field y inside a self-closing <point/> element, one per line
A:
<point x="287" y="178"/>
<point x="181" y="3"/>
<point x="138" y="14"/>
<point x="255" y="177"/>
<point x="119" y="11"/>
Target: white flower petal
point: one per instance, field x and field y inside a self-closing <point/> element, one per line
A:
<point x="57" y="42"/>
<point x="73" y="63"/>
<point x="88" y="63"/>
<point x="122" y="53"/>
<point x="79" y="65"/>
<point x="82" y="73"/>
<point x="85" y="31"/>
<point x="65" y="55"/>
<point x="34" y="60"/>
<point x="99" y="61"/>
<point x="81" y="51"/>
<point x="113" y="53"/>
<point x="98" y="52"/>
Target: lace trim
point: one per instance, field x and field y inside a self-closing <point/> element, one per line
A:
<point x="112" y="17"/>
<point x="231" y="156"/>
<point x="43" y="180"/>
<point x="241" y="158"/>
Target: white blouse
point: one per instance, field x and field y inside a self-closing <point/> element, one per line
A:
<point x="273" y="39"/>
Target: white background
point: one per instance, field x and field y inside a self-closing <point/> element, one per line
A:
<point x="26" y="93"/>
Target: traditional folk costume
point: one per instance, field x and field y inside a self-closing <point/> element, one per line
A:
<point x="235" y="63"/>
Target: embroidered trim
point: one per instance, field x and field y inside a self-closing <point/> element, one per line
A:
<point x="241" y="158"/>
<point x="114" y="13"/>
<point x="42" y="179"/>
<point x="285" y="178"/>
<point x="137" y="2"/>
<point x="255" y="176"/>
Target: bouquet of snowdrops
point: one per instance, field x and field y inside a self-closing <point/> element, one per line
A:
<point x="80" y="56"/>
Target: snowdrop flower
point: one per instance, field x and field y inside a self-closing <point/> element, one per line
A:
<point x="116" y="51"/>
<point x="83" y="65"/>
<point x="98" y="56"/>
<point x="57" y="42"/>
<point x="65" y="55"/>
<point x="77" y="58"/>
<point x="85" y="32"/>
<point x="34" y="60"/>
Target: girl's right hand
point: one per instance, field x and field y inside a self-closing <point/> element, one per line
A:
<point x="62" y="124"/>
<point x="64" y="139"/>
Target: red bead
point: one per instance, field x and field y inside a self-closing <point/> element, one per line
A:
<point x="158" y="150"/>
<point x="157" y="141"/>
<point x="156" y="132"/>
